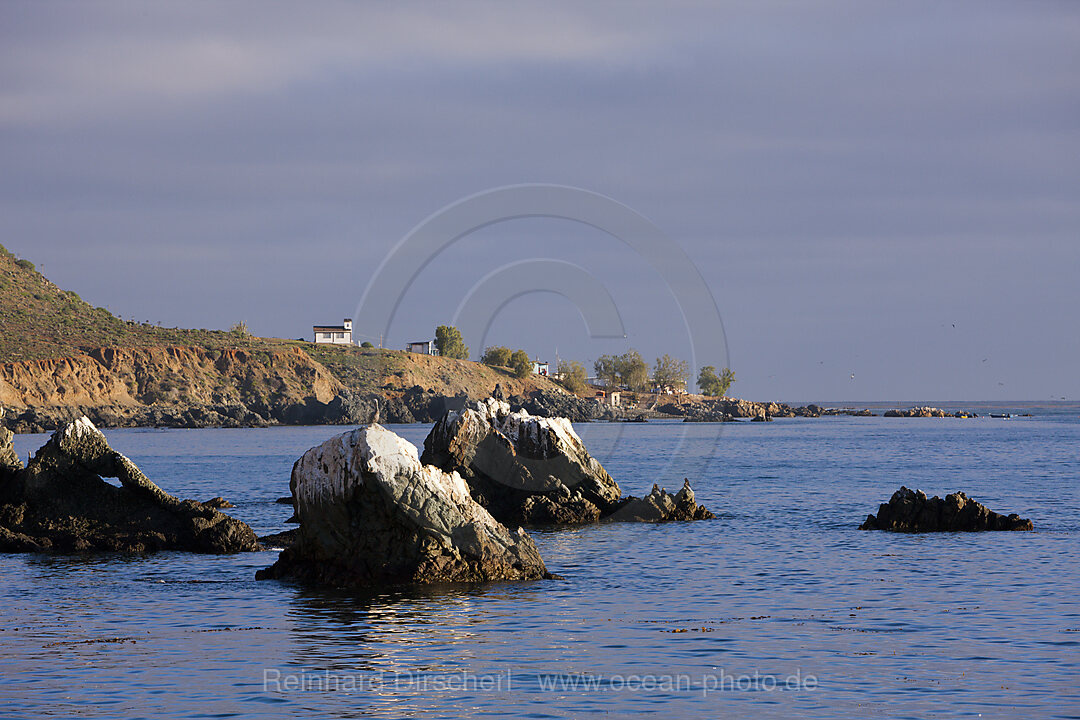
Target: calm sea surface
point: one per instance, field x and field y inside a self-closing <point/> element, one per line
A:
<point x="777" y="608"/>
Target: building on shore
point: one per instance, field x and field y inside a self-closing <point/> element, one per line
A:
<point x="612" y="398"/>
<point x="334" y="334"/>
<point x="423" y="347"/>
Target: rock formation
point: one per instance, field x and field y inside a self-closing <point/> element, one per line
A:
<point x="549" y="403"/>
<point x="911" y="511"/>
<point x="9" y="459"/>
<point x="527" y="469"/>
<point x="659" y="505"/>
<point x="371" y="513"/>
<point x="60" y="502"/>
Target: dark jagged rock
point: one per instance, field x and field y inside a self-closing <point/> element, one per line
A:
<point x="911" y="511"/>
<point x="279" y="540"/>
<point x="218" y="503"/>
<point x="525" y="469"/>
<point x="59" y="502"/>
<point x="661" y="506"/>
<point x="371" y="513"/>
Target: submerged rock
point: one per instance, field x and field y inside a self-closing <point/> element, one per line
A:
<point x="371" y="513"/>
<point x="282" y="539"/>
<point x="60" y="502"/>
<point x="527" y="469"/>
<point x="911" y="511"/>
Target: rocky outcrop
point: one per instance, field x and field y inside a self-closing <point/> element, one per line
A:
<point x="525" y="469"/>
<point x="911" y="511"/>
<point x="928" y="412"/>
<point x="9" y="459"/>
<point x="659" y="506"/>
<point x="371" y="513"/>
<point x="549" y="403"/>
<point x="728" y="409"/>
<point x="60" y="502"/>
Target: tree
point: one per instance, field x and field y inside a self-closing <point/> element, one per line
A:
<point x="572" y="375"/>
<point x="604" y="367"/>
<point x="367" y="344"/>
<point x="520" y="364"/>
<point x="671" y="372"/>
<point x="632" y="370"/>
<point x="713" y="384"/>
<point x="497" y="355"/>
<point x="449" y="343"/>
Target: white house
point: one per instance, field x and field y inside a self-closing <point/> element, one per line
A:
<point x="540" y="368"/>
<point x="424" y="347"/>
<point x="334" y="334"/>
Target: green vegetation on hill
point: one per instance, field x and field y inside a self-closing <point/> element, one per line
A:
<point x="38" y="320"/>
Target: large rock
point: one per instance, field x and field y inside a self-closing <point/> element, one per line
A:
<point x="60" y="502"/>
<point x="911" y="511"/>
<point x="522" y="468"/>
<point x="371" y="513"/>
<point x="526" y="469"/>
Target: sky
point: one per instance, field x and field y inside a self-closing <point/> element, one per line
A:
<point x="883" y="199"/>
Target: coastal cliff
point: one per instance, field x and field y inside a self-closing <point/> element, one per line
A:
<point x="61" y="358"/>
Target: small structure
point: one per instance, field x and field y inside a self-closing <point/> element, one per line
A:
<point x="613" y="398"/>
<point x="540" y="368"/>
<point x="424" y="347"/>
<point x="334" y="334"/>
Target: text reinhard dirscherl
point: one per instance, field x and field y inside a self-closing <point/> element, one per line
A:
<point x="297" y="681"/>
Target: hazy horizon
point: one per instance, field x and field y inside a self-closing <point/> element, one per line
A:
<point x="882" y="199"/>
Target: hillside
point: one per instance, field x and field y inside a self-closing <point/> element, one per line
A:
<point x="38" y="320"/>
<point x="61" y="357"/>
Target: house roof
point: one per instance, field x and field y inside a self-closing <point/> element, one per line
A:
<point x="336" y="328"/>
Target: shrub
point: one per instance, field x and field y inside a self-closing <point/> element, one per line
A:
<point x="366" y="344"/>
<point x="497" y="355"/>
<point x="572" y="375"/>
<point x="520" y="364"/>
<point x="25" y="264"/>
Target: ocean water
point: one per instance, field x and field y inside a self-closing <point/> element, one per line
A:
<point x="778" y="608"/>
